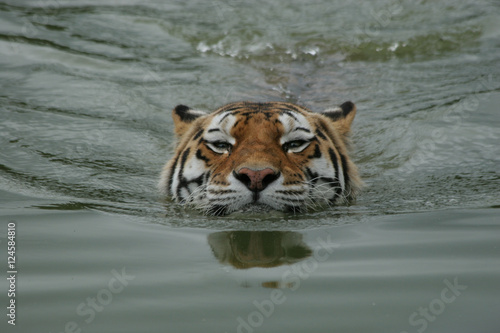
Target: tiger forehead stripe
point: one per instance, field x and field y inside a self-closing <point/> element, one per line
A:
<point x="224" y="115"/>
<point x="219" y="128"/>
<point x="231" y="108"/>
<point x="221" y="121"/>
<point x="301" y="129"/>
<point x="294" y="121"/>
<point x="289" y="113"/>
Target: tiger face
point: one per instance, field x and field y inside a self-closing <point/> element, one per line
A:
<point x="272" y="155"/>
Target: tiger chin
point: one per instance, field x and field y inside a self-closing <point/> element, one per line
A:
<point x="265" y="156"/>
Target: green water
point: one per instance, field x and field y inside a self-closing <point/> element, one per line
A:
<point x="86" y="89"/>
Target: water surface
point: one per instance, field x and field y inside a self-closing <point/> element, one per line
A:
<point x="85" y="99"/>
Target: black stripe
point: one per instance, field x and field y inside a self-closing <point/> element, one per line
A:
<point x="301" y="129"/>
<point x="223" y="191"/>
<point x="290" y="113"/>
<point x="333" y="182"/>
<point x="320" y="134"/>
<point x="230" y="108"/>
<point x="317" y="152"/>
<point x="184" y="158"/>
<point x="225" y="116"/>
<point x="313" y="177"/>
<point x="181" y="170"/>
<point x="200" y="156"/>
<point x="290" y="192"/>
<point x="345" y="171"/>
<point x="171" y="176"/>
<point x="345" y="168"/>
<point x="333" y="158"/>
<point x="198" y="134"/>
<point x="198" y="180"/>
<point x="207" y="177"/>
<point x="288" y="199"/>
<point x="293" y="182"/>
<point x="291" y="106"/>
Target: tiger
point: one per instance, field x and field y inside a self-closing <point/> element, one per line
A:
<point x="269" y="156"/>
<point x="247" y="249"/>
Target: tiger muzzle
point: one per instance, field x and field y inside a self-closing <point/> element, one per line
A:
<point x="256" y="180"/>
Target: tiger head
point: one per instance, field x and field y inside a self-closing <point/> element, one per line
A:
<point x="274" y="155"/>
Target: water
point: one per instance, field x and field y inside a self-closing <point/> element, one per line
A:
<point x="85" y="99"/>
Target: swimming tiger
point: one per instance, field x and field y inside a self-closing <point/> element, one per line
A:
<point x="274" y="155"/>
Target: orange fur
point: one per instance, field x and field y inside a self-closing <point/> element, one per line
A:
<point x="256" y="132"/>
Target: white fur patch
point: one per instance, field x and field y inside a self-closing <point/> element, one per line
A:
<point x="296" y="127"/>
<point x="193" y="168"/>
<point x="219" y="128"/>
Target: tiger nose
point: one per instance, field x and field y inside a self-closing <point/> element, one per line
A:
<point x="256" y="180"/>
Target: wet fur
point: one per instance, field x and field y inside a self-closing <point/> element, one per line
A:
<point x="319" y="175"/>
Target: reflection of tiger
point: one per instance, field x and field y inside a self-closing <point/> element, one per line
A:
<point x="275" y="155"/>
<point x="247" y="249"/>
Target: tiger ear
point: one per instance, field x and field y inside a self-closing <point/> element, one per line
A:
<point x="342" y="117"/>
<point x="184" y="117"/>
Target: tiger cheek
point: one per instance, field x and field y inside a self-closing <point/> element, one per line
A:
<point x="221" y="168"/>
<point x="299" y="159"/>
<point x="204" y="154"/>
<point x="291" y="174"/>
